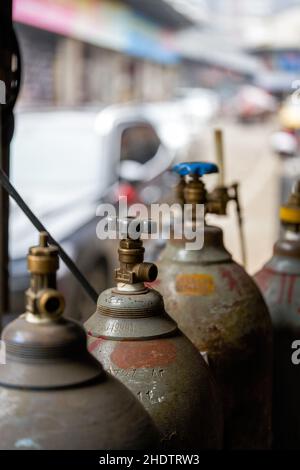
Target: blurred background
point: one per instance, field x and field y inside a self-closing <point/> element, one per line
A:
<point x="115" y="92"/>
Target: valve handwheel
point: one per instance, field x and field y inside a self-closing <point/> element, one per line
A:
<point x="195" y="168"/>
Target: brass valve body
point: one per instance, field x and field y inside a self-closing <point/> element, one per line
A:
<point x="132" y="268"/>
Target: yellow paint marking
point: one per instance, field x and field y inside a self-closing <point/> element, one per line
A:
<point x="195" y="284"/>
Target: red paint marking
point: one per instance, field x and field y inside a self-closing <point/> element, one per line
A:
<point x="282" y="288"/>
<point x="138" y="354"/>
<point x="153" y="284"/>
<point x="293" y="278"/>
<point x="233" y="284"/>
<point x="263" y="279"/>
<point x="92" y="346"/>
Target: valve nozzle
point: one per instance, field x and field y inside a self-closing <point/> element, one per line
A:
<point x="51" y="303"/>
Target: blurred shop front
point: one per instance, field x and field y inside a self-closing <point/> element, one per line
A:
<point x="94" y="51"/>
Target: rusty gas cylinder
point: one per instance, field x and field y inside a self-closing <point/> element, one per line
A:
<point x="54" y="394"/>
<point x="218" y="306"/>
<point x="135" y="340"/>
<point x="279" y="281"/>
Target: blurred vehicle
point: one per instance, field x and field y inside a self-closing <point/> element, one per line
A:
<point x="286" y="142"/>
<point x="252" y="104"/>
<point x="64" y="164"/>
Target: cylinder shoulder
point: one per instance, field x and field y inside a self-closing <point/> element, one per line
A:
<point x="103" y="415"/>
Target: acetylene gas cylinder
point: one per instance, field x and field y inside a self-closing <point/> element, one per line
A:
<point x="54" y="394"/>
<point x="218" y="306"/>
<point x="133" y="337"/>
<point x="279" y="281"/>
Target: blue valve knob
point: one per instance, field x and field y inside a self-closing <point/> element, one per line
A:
<point x="195" y="168"/>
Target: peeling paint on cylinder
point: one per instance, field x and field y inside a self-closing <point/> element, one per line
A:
<point x="231" y="322"/>
<point x="138" y="354"/>
<point x="160" y="365"/>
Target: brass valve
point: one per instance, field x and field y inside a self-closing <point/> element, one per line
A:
<point x="218" y="199"/>
<point x="43" y="301"/>
<point x="191" y="189"/>
<point x="194" y="191"/>
<point x="132" y="268"/>
<point x="179" y="189"/>
<point x="217" y="203"/>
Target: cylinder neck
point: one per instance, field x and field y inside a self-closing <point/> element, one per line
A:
<point x="290" y="212"/>
<point x="213" y="250"/>
<point x="288" y="245"/>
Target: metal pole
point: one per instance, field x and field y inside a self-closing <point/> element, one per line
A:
<point x="220" y="155"/>
<point x="6" y="123"/>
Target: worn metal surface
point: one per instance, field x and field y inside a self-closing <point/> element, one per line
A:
<point x="98" y="415"/>
<point x="54" y="394"/>
<point x="279" y="281"/>
<point x="218" y="306"/>
<point x="138" y="343"/>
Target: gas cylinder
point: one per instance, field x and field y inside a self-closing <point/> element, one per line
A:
<point x="54" y="394"/>
<point x="279" y="281"/>
<point x="133" y="337"/>
<point x="220" y="309"/>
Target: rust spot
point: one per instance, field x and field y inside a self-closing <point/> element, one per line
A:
<point x="233" y="284"/>
<point x="195" y="284"/>
<point x="138" y="354"/>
